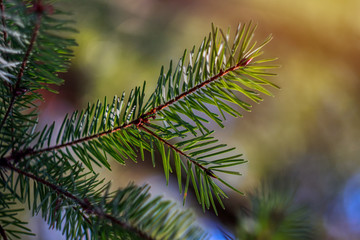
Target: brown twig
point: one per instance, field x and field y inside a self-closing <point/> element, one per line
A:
<point x="85" y="204"/>
<point x="206" y="170"/>
<point x="85" y="139"/>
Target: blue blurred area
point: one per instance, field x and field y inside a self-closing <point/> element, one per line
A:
<point x="351" y="203"/>
<point x="216" y="230"/>
<point x="342" y="218"/>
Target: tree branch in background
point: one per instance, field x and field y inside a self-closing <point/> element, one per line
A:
<point x="17" y="90"/>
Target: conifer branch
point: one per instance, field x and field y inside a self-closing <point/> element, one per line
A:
<point x="31" y="152"/>
<point x="144" y="118"/>
<point x="17" y="90"/>
<point x="71" y="195"/>
<point x="206" y="170"/>
<point x="85" y="204"/>
<point x="5" y="34"/>
<point x="28" y="51"/>
<point x="222" y="73"/>
<point x="2" y="9"/>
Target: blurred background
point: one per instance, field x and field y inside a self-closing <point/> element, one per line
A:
<point x="309" y="130"/>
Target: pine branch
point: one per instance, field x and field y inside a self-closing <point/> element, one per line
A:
<point x="214" y="73"/>
<point x="127" y="209"/>
<point x="31" y="152"/>
<point x="10" y="225"/>
<point x="143" y="118"/>
<point x="29" y="49"/>
<point x="179" y="108"/>
<point x="85" y="205"/>
<point x="33" y="57"/>
<point x="242" y="63"/>
<point x="3" y="22"/>
<point x="206" y="170"/>
<point x="17" y="90"/>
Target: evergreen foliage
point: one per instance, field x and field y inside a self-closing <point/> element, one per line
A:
<point x="52" y="172"/>
<point x="273" y="213"/>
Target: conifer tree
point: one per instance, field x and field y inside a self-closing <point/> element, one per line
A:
<point x="52" y="171"/>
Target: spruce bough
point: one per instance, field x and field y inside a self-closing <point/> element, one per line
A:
<point x="52" y="172"/>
